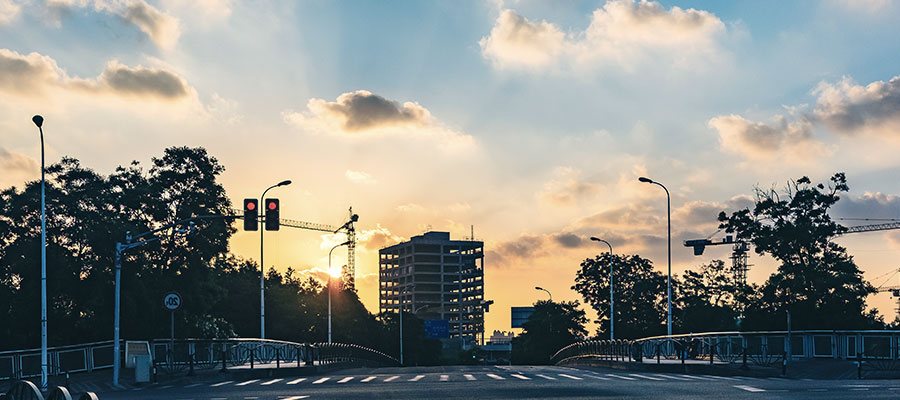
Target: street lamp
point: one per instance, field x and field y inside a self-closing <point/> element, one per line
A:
<point x="262" y="268"/>
<point x="329" y="287"/>
<point x="669" y="218"/>
<point x="612" y="315"/>
<point x="548" y="292"/>
<point x="410" y="287"/>
<point x="39" y="121"/>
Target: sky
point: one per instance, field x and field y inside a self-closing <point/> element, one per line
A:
<point x="527" y="122"/>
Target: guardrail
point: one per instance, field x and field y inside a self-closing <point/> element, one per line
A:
<point x="874" y="349"/>
<point x="185" y="355"/>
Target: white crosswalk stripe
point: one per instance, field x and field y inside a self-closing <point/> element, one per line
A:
<point x="597" y="377"/>
<point x="627" y="378"/>
<point x="220" y="384"/>
<point x="570" y="377"/>
<point x="271" y="382"/>
<point x="345" y="380"/>
<point x="192" y="386"/>
<point x="445" y="378"/>
<point x="391" y="378"/>
<point x="294" y="397"/>
<point x="320" y="380"/>
<point x="245" y="383"/>
<point x="469" y="377"/>
<point x="547" y="377"/>
<point x="695" y="377"/>
<point x="416" y="378"/>
<point x="296" y="381"/>
<point x="677" y="378"/>
<point x="497" y="377"/>
<point x="522" y="377"/>
<point x="369" y="379"/>
<point x="646" y="377"/>
<point x="719" y="377"/>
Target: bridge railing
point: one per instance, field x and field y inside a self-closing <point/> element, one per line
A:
<point x="872" y="347"/>
<point x="186" y="355"/>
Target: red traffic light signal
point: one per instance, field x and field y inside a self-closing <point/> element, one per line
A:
<point x="272" y="215"/>
<point x="251" y="214"/>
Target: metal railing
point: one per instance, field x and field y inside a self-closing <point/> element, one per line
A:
<point x="185" y="355"/>
<point x="878" y="349"/>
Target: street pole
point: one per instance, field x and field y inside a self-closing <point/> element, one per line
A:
<point x="39" y="121"/>
<point x="401" y="321"/>
<point x="329" y="287"/>
<point x="262" y="265"/>
<point x="612" y="314"/>
<point x="116" y="350"/>
<point x="669" y="227"/>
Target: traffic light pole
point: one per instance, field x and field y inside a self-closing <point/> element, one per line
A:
<point x="262" y="272"/>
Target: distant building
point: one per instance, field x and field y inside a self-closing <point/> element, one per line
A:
<point x="501" y="337"/>
<point x="436" y="278"/>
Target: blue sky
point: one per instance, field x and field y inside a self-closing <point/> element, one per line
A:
<point x="529" y="119"/>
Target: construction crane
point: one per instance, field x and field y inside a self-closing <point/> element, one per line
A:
<point x="740" y="251"/>
<point x="894" y="290"/>
<point x="350" y="272"/>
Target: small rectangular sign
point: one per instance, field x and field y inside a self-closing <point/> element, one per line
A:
<point x="437" y="329"/>
<point x="520" y="315"/>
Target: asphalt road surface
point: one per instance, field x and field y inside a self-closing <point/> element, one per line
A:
<point x="516" y="382"/>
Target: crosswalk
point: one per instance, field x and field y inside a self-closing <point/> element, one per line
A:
<point x="497" y="376"/>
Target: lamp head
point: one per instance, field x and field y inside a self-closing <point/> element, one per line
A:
<point x="354" y="218"/>
<point x="594" y="238"/>
<point x="645" y="180"/>
<point x="538" y="288"/>
<point x="345" y="243"/>
<point x="284" y="183"/>
<point x="38" y="120"/>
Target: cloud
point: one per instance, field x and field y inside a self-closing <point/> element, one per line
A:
<point x="875" y="205"/>
<point x="35" y="74"/>
<point x="9" y="10"/>
<point x="378" y="238"/>
<point x="566" y="187"/>
<point x="621" y="33"/>
<point x="847" y="108"/>
<point x="360" y="177"/>
<point x="365" y="114"/>
<point x="159" y="26"/>
<point x="760" y="140"/>
<point x="15" y="162"/>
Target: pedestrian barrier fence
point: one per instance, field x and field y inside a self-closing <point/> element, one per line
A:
<point x="185" y="355"/>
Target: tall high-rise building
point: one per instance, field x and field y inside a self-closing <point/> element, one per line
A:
<point x="436" y="278"/>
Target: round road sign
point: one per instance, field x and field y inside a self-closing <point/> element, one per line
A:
<point x="172" y="301"/>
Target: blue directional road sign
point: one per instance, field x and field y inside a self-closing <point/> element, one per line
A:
<point x="437" y="329"/>
<point x="520" y="315"/>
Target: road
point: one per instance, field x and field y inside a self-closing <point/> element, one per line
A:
<point x="516" y="382"/>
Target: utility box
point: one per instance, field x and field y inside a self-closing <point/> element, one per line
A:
<point x="142" y="367"/>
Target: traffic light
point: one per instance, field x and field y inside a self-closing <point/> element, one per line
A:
<point x="251" y="215"/>
<point x="272" y="212"/>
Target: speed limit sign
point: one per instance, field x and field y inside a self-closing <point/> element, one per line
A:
<point x="172" y="301"/>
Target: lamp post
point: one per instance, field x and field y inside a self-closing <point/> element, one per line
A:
<point x="612" y="315"/>
<point x="669" y="219"/>
<point x="401" y="320"/>
<point x="329" y="287"/>
<point x="39" y="121"/>
<point x="548" y="292"/>
<point x="262" y="268"/>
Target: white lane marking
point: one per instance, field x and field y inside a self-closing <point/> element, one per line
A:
<point x="445" y="378"/>
<point x="547" y="377"/>
<point x="271" y="382"/>
<point x="719" y="377"/>
<point x="777" y="379"/>
<point x="860" y="389"/>
<point x="391" y="378"/>
<point x="522" y="377"/>
<point x="749" y="388"/>
<point x="646" y="377"/>
<point x="597" y="377"/>
<point x="220" y="384"/>
<point x="416" y="378"/>
<point x="321" y="380"/>
<point x="672" y="377"/>
<point x="497" y="377"/>
<point x="294" y="398"/>
<point x="368" y="379"/>
<point x="570" y="377"/>
<point x="245" y="383"/>
<point x="469" y="377"/>
<point x="627" y="378"/>
<point x="695" y="377"/>
<point x="192" y="386"/>
<point x="251" y="398"/>
<point x="296" y="381"/>
<point x="166" y="387"/>
<point x="345" y="380"/>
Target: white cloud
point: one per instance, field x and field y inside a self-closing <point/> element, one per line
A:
<point x="758" y="140"/>
<point x="9" y="10"/>
<point x="567" y="187"/>
<point x="161" y="27"/>
<point x="622" y="33"/>
<point x="848" y="108"/>
<point x="15" y="162"/>
<point x="360" y="177"/>
<point x="363" y="114"/>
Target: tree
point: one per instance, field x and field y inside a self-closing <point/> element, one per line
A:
<point x="817" y="281"/>
<point x="639" y="293"/>
<point x="550" y="327"/>
<point x="708" y="299"/>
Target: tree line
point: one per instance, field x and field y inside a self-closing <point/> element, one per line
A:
<point x="817" y="281"/>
